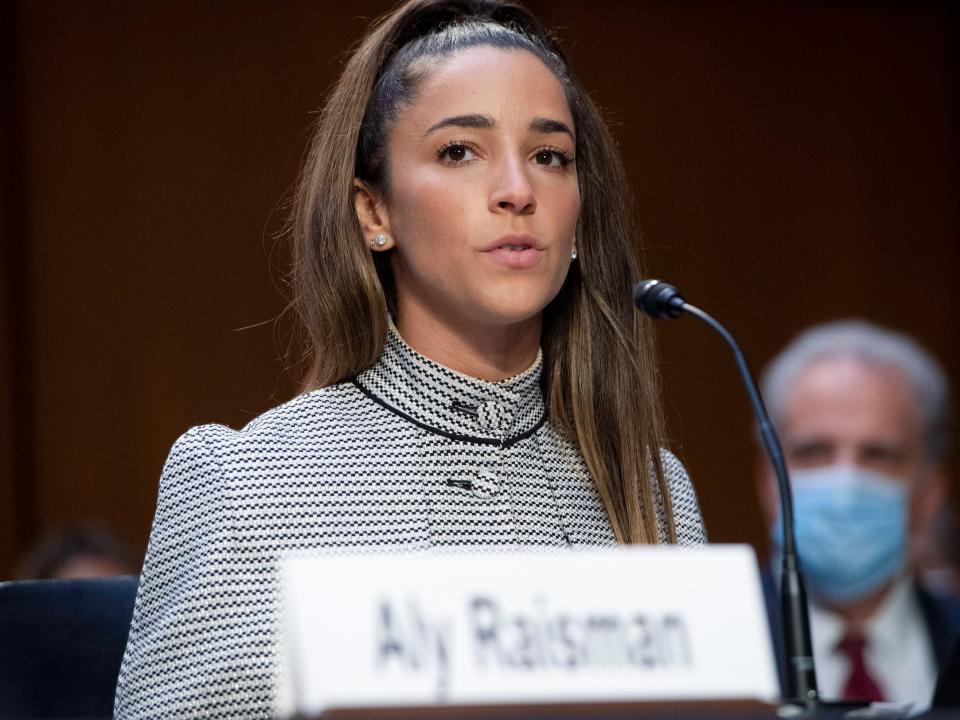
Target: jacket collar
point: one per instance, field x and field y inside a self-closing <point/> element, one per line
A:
<point x="453" y="404"/>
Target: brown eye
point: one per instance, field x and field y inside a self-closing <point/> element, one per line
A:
<point x="552" y="157"/>
<point x="545" y="157"/>
<point x="456" y="153"/>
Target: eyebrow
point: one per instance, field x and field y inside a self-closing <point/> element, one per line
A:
<point x="547" y="126"/>
<point x="541" y="125"/>
<point x="482" y="122"/>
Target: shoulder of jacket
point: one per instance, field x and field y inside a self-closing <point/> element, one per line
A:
<point x="934" y="602"/>
<point x="302" y="414"/>
<point x="290" y="416"/>
<point x="306" y="407"/>
<point x="673" y="469"/>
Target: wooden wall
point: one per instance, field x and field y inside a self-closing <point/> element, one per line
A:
<point x="792" y="163"/>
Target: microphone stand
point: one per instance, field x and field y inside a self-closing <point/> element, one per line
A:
<point x="658" y="300"/>
<point x="801" y="673"/>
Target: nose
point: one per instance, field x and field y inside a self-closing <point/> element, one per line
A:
<point x="846" y="456"/>
<point x="512" y="191"/>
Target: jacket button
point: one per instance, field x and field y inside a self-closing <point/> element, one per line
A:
<point x="487" y="485"/>
<point x="492" y="416"/>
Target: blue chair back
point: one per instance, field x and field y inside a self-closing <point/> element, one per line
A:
<point x="61" y="643"/>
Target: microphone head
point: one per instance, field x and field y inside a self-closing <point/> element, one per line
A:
<point x="658" y="299"/>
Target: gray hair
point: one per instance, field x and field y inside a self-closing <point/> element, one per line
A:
<point x="874" y="345"/>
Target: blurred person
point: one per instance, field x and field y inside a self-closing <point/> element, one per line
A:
<point x="864" y="418"/>
<point x="464" y="256"/>
<point x="84" y="550"/>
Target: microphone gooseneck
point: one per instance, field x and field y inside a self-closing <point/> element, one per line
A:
<point x="662" y="300"/>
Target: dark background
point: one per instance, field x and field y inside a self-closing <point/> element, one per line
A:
<point x="792" y="163"/>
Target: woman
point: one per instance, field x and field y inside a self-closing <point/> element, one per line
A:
<point x="477" y="377"/>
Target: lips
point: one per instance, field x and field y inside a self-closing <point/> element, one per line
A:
<point x="516" y="242"/>
<point x="516" y="251"/>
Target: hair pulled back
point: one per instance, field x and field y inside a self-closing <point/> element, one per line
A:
<point x="600" y="380"/>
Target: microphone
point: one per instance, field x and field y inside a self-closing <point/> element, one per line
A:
<point x="658" y="299"/>
<point x="661" y="300"/>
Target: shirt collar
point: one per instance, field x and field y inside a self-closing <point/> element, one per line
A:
<point x="451" y="403"/>
<point x="884" y="629"/>
<point x="897" y="617"/>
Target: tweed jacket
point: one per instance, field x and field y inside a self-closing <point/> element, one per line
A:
<point x="408" y="455"/>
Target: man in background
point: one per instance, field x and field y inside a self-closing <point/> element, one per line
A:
<point x="863" y="414"/>
<point x="73" y="552"/>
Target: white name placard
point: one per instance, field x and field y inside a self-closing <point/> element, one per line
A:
<point x="611" y="625"/>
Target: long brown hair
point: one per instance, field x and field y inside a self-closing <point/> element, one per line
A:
<point x="600" y="375"/>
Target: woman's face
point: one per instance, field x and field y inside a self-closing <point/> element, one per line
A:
<point x="483" y="196"/>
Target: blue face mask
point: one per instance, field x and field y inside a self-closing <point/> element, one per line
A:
<point x="851" y="526"/>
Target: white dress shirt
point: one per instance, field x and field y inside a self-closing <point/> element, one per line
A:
<point x="898" y="656"/>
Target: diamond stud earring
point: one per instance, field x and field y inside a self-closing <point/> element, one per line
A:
<point x="380" y="240"/>
<point x="573" y="254"/>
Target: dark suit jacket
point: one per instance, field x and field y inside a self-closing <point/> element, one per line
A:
<point x="941" y="613"/>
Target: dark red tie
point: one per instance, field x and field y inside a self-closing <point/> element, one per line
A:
<point x="860" y="685"/>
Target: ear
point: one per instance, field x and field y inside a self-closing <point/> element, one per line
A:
<point x="373" y="216"/>
<point x="929" y="495"/>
